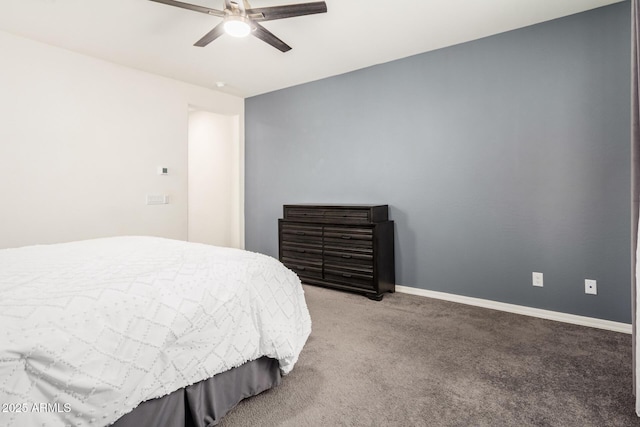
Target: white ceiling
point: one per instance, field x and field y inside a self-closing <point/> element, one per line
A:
<point x="353" y="34"/>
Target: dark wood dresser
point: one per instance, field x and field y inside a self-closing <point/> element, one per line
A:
<point x="348" y="247"/>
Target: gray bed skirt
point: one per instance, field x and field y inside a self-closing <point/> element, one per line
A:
<point x="203" y="404"/>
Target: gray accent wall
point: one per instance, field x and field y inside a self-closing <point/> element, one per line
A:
<point x="498" y="157"/>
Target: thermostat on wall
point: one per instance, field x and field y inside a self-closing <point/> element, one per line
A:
<point x="163" y="171"/>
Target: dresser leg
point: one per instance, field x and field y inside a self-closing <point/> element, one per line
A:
<point x="375" y="297"/>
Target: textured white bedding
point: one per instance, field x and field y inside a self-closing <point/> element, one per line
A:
<point x="90" y="329"/>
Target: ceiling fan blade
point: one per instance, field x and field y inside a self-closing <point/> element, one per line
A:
<point x="268" y="37"/>
<point x="194" y="7"/>
<point x="288" y="11"/>
<point x="217" y="31"/>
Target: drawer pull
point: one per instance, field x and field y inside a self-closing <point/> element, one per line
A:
<point x="300" y="267"/>
<point x="301" y="251"/>
<point x="300" y="233"/>
<point x="347" y="275"/>
<point x="346" y="256"/>
<point x="346" y="237"/>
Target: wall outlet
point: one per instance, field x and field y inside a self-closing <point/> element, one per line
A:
<point x="590" y="287"/>
<point x="536" y="278"/>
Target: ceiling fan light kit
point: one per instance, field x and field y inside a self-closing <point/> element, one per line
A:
<point x="240" y="19"/>
<point x="237" y="26"/>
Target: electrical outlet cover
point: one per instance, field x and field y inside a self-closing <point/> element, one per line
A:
<point x="590" y="287"/>
<point x="536" y="279"/>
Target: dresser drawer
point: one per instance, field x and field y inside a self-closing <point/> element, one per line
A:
<point x="296" y="213"/>
<point x="350" y="244"/>
<point x="348" y="257"/>
<point x="349" y="233"/>
<point x="299" y="250"/>
<point x="304" y="268"/>
<point x="328" y="214"/>
<point x="301" y="233"/>
<point x="348" y="238"/>
<point x="357" y="278"/>
<point x="347" y="215"/>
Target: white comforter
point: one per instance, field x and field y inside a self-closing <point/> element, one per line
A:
<point x="90" y="329"/>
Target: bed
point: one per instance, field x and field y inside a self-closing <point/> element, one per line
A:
<point x="135" y="331"/>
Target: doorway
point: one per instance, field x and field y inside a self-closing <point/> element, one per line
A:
<point x="214" y="179"/>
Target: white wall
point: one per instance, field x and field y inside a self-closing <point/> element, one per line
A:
<point x="214" y="184"/>
<point x="80" y="141"/>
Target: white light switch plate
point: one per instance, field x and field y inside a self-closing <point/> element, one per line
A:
<point x="157" y="199"/>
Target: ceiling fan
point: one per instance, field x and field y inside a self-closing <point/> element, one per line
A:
<point x="240" y="19"/>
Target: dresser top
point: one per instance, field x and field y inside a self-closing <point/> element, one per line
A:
<point x="338" y="214"/>
<point x="331" y="205"/>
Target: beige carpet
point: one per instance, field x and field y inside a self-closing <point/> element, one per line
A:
<point x="415" y="361"/>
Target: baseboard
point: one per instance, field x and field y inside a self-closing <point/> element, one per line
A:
<point x="520" y="309"/>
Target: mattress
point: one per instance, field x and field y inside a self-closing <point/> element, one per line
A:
<point x="90" y="329"/>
